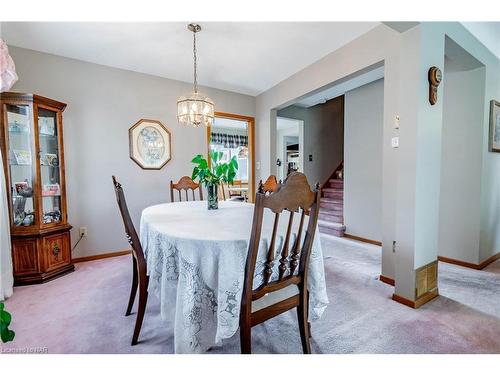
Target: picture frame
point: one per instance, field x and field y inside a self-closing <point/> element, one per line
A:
<point x="150" y="144"/>
<point x="494" y="126"/>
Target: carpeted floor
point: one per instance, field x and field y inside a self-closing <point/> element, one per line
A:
<point x="83" y="312"/>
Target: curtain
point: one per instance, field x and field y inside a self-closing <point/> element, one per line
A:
<point x="6" y="277"/>
<point x="229" y="140"/>
<point x="8" y="77"/>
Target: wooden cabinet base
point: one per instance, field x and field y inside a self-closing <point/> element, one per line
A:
<point x="43" y="277"/>
<point x="43" y="256"/>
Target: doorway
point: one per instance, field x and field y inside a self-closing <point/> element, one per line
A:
<point x="289" y="146"/>
<point x="233" y="135"/>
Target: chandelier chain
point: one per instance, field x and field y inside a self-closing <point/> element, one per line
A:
<point x="195" y="58"/>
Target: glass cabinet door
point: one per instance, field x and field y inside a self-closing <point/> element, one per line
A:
<point x="50" y="183"/>
<point x="20" y="161"/>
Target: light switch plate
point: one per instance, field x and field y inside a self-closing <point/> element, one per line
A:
<point x="257" y="165"/>
<point x="396" y="122"/>
<point x="395" y="142"/>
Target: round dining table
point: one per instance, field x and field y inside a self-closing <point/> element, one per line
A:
<point x="196" y="265"/>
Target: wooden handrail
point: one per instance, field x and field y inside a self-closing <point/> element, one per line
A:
<point x="332" y="176"/>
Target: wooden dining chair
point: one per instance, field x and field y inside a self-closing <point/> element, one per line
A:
<point x="235" y="195"/>
<point x="271" y="184"/>
<point x="288" y="289"/>
<point x="223" y="188"/>
<point x="185" y="183"/>
<point x="139" y="277"/>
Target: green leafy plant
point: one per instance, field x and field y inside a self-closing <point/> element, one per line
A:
<point x="217" y="172"/>
<point x="5" y="318"/>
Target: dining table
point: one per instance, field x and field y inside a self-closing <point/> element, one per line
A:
<point x="196" y="265"/>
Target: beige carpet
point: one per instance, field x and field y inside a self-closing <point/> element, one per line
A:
<point x="83" y="312"/>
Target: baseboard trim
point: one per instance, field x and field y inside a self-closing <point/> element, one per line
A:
<point x="361" y="239"/>
<point x="101" y="256"/>
<point x="386" y="280"/>
<point x="419" y="302"/>
<point x="462" y="263"/>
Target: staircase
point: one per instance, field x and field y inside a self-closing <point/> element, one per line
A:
<point x="331" y="212"/>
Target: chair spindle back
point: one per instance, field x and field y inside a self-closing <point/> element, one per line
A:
<point x="295" y="196"/>
<point x="185" y="184"/>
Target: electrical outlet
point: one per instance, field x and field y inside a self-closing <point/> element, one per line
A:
<point x="83" y="231"/>
<point x="393" y="246"/>
<point x="395" y="142"/>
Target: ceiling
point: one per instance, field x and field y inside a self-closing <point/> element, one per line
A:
<point x="288" y="124"/>
<point x="245" y="57"/>
<point x="488" y="33"/>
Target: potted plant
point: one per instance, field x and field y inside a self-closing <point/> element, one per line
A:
<point x="5" y="318"/>
<point x="214" y="174"/>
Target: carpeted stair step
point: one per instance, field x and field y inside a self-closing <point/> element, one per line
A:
<point x="334" y="229"/>
<point x="330" y="189"/>
<point x="331" y="204"/>
<point x="331" y="216"/>
<point x="338" y="184"/>
<point x="333" y="193"/>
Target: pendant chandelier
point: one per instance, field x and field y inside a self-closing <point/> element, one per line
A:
<point x="195" y="109"/>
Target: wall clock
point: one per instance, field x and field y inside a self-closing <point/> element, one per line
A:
<point x="435" y="76"/>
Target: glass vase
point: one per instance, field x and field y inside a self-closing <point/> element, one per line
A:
<point x="213" y="199"/>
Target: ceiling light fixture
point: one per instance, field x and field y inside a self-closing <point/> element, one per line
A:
<point x="195" y="109"/>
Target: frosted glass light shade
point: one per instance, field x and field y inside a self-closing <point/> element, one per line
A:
<point x="195" y="110"/>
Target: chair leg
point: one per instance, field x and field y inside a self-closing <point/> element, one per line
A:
<point x="143" y="299"/>
<point x="246" y="339"/>
<point x="133" y="291"/>
<point x="304" y="325"/>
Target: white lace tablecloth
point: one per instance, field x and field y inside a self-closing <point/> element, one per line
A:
<point x="196" y="263"/>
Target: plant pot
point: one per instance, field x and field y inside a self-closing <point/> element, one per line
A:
<point x="213" y="199"/>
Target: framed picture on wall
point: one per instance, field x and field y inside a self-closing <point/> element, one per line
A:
<point x="494" y="126"/>
<point x="150" y="144"/>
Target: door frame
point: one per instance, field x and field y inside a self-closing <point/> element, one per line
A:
<point x="251" y="147"/>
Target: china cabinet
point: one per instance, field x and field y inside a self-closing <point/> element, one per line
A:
<point x="31" y="140"/>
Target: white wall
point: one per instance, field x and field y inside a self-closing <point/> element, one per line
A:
<point x="463" y="95"/>
<point x="363" y="137"/>
<point x="489" y="227"/>
<point x="103" y="103"/>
